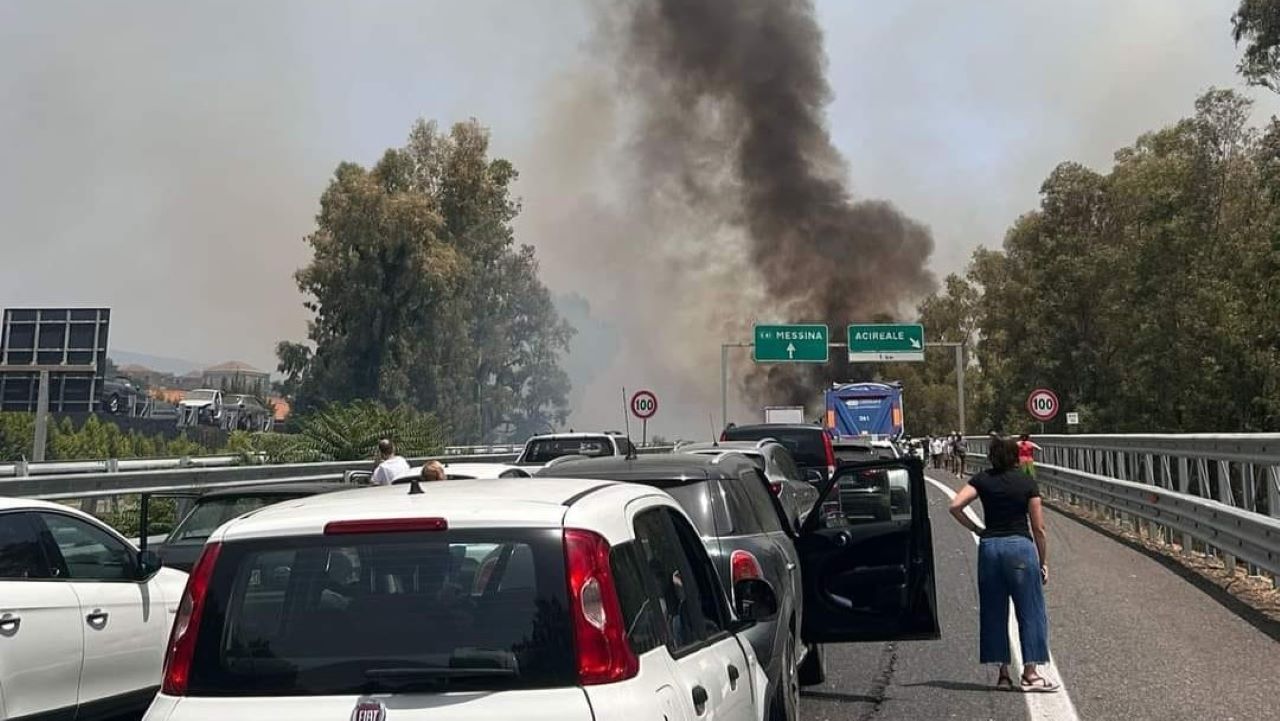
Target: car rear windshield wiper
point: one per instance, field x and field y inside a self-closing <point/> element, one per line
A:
<point x="409" y="678"/>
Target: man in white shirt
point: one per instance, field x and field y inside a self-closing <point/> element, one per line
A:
<point x="390" y="467"/>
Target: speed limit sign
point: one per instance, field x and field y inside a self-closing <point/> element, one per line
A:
<point x="644" y="404"/>
<point x="1042" y="404"/>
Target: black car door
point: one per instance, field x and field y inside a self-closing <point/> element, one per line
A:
<point x="869" y="576"/>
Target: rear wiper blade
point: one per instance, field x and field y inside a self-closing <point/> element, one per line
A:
<point x="417" y="673"/>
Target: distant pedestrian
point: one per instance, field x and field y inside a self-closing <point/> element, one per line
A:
<point x="390" y="466"/>
<point x="1027" y="455"/>
<point x="939" y="451"/>
<point x="958" y="448"/>
<point x="433" y="471"/>
<point x="1007" y="557"/>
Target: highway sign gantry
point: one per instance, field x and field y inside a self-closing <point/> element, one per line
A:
<point x="793" y="343"/>
<point x="1043" y="405"/>
<point x="877" y="342"/>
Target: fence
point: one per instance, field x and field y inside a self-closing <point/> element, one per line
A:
<point x="1212" y="493"/>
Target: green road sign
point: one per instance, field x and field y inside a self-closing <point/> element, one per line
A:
<point x="875" y="342"/>
<point x="801" y="343"/>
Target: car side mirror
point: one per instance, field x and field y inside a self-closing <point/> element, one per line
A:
<point x="359" y="478"/>
<point x="813" y="475"/>
<point x="755" y="600"/>
<point x="149" y="564"/>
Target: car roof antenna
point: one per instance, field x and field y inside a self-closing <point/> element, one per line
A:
<point x="715" y="439"/>
<point x="415" y="485"/>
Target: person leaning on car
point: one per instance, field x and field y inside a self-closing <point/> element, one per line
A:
<point x="390" y="466"/>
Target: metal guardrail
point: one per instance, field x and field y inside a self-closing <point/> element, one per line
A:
<point x="1220" y="492"/>
<point x="63" y="486"/>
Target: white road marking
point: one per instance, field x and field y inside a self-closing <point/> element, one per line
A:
<point x="1040" y="706"/>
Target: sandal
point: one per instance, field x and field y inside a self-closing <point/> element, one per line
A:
<point x="1038" y="684"/>
<point x="1004" y="683"/>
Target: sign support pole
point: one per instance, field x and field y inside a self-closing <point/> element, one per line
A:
<point x="644" y="432"/>
<point x="42" y="418"/>
<point x="960" y="383"/>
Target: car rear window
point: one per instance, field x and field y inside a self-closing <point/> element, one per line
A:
<point x="205" y="518"/>
<point x="549" y="449"/>
<point x="805" y="444"/>
<point x="386" y="613"/>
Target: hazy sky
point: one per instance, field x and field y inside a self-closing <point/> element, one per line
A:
<point x="165" y="159"/>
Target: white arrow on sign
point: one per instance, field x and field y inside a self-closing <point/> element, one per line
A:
<point x="791" y="351"/>
<point x="914" y="343"/>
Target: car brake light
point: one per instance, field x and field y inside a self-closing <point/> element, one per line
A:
<point x="385" y="525"/>
<point x="776" y="487"/>
<point x="744" y="566"/>
<point x="600" y="637"/>
<point x="186" y="626"/>
<point x="831" y="455"/>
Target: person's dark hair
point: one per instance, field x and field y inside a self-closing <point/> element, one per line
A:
<point x="386" y="448"/>
<point x="1025" y="437"/>
<point x="1003" y="454"/>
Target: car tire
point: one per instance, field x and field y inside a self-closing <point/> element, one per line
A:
<point x="113" y="404"/>
<point x="786" y="697"/>
<point x="813" y="670"/>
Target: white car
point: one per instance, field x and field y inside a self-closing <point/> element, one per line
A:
<point x="468" y="471"/>
<point x="556" y="599"/>
<point x="84" y="618"/>
<point x="540" y="450"/>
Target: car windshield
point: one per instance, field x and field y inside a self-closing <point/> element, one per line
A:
<point x="473" y="610"/>
<point x="854" y="452"/>
<point x="806" y="444"/>
<point x="210" y="513"/>
<point x="201" y="395"/>
<point x="543" y="450"/>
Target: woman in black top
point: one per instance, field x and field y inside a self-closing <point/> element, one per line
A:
<point x="1010" y="565"/>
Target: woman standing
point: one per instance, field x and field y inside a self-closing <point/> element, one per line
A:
<point x="1010" y="565"/>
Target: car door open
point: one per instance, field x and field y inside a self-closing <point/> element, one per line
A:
<point x="866" y="553"/>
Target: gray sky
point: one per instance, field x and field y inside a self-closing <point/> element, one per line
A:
<point x="165" y="159"/>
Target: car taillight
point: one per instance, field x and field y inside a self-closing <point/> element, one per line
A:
<point x="186" y="627"/>
<point x="743" y="565"/>
<point x="775" y="487"/>
<point x="831" y="455"/>
<point x="600" y="636"/>
<point x="386" y="525"/>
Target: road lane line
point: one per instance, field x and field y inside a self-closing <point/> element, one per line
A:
<point x="1040" y="706"/>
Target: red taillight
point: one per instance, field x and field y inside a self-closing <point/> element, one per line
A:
<point x="744" y="566"/>
<point x="385" y="525"/>
<point x="182" y="639"/>
<point x="600" y="636"/>
<point x="724" y="436"/>
<point x="776" y="487"/>
<point x="831" y="455"/>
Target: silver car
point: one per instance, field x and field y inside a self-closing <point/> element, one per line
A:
<point x="795" y="492"/>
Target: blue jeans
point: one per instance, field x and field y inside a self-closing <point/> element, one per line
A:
<point x="1009" y="568"/>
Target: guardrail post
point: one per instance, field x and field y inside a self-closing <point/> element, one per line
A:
<point x="1226" y="497"/>
<point x="1184" y="482"/>
<point x="21" y="468"/>
<point x="113" y="465"/>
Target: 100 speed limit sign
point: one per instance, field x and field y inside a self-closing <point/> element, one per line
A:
<point x="644" y="404"/>
<point x="1042" y="404"/>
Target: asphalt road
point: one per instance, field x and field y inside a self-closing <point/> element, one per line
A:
<point x="1130" y="638"/>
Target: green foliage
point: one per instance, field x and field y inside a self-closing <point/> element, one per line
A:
<point x="96" y="439"/>
<point x="1146" y="297"/>
<point x="422" y="298"/>
<point x="1257" y="24"/>
<point x="351" y="432"/>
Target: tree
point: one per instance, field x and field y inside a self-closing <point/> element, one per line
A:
<point x="421" y="297"/>
<point x="1257" y="24"/>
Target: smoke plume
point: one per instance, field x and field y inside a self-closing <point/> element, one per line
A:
<point x="728" y="99"/>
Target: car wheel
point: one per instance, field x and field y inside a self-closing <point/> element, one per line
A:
<point x="813" y="671"/>
<point x="786" y="698"/>
<point x="113" y="405"/>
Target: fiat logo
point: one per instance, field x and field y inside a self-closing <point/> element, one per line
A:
<point x="369" y="709"/>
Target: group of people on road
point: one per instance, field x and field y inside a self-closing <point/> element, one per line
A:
<point x="392" y="466"/>
<point x="948" y="452"/>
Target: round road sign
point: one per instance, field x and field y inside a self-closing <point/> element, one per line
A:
<point x="644" y="404"/>
<point x="1042" y="404"/>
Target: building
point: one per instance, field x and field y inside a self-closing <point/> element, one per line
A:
<point x="236" y="377"/>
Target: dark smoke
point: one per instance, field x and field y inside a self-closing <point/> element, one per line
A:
<point x="731" y="97"/>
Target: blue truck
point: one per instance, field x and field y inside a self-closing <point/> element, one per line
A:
<point x="864" y="409"/>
